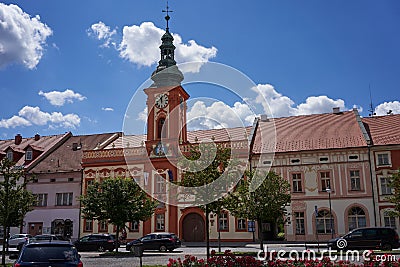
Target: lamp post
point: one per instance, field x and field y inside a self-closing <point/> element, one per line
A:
<point x="328" y="190"/>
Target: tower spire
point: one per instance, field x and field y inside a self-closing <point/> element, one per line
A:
<point x="170" y="75"/>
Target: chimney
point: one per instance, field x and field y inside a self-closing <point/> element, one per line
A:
<point x="18" y="139"/>
<point x="37" y="137"/>
<point x="336" y="110"/>
<point x="264" y="117"/>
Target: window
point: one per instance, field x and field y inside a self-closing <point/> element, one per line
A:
<point x="64" y="199"/>
<point x="389" y="221"/>
<point x="161" y="131"/>
<point x="299" y="220"/>
<point x="160" y="184"/>
<point x="325" y="180"/>
<point x="223" y="224"/>
<point x="160" y="222"/>
<point x="103" y="226"/>
<point x="28" y="154"/>
<point x="324" y="222"/>
<point x="383" y="159"/>
<point x="355" y="181"/>
<point x="296" y="181"/>
<point x="88" y="225"/>
<point x="10" y="155"/>
<point x="41" y="200"/>
<point x="134" y="226"/>
<point x="385" y="186"/>
<point x="357" y="218"/>
<point x="241" y="224"/>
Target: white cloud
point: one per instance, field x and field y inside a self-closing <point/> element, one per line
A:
<point x="107" y="109"/>
<point x="218" y="115"/>
<point x="102" y="32"/>
<point x="13" y="122"/>
<point x="386" y="107"/>
<point x="282" y="106"/>
<point x="22" y="38"/>
<point x="28" y="116"/>
<point x="142" y="115"/>
<point x="140" y="45"/>
<point x="57" y="98"/>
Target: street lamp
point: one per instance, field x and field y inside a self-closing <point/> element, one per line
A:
<point x="328" y="190"/>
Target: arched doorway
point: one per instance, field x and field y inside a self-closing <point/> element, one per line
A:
<point x="193" y="228"/>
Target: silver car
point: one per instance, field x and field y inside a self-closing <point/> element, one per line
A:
<point x="18" y="238"/>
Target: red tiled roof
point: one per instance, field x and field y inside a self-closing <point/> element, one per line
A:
<point x="309" y="132"/>
<point x="384" y="130"/>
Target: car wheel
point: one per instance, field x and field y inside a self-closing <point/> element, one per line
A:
<point x="386" y="247"/>
<point x="101" y="249"/>
<point x="163" y="248"/>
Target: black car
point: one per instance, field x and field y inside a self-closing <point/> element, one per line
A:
<point x="156" y="241"/>
<point x="96" y="242"/>
<point x="367" y="238"/>
<point x="56" y="253"/>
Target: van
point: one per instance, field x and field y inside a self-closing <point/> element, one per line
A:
<point x="382" y="238"/>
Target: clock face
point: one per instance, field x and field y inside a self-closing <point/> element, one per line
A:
<point x="161" y="101"/>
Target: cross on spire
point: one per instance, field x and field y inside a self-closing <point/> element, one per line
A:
<point x="167" y="17"/>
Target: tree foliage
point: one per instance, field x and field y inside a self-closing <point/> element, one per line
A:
<point x="395" y="198"/>
<point x="15" y="200"/>
<point x="117" y="201"/>
<point x="267" y="203"/>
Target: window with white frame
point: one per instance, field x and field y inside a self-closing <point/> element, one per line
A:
<point x="223" y="221"/>
<point x="41" y="200"/>
<point x="160" y="184"/>
<point x="160" y="222"/>
<point x="134" y="226"/>
<point x="103" y="226"/>
<point x="383" y="159"/>
<point x="389" y="221"/>
<point x="325" y="180"/>
<point x="64" y="199"/>
<point x="355" y="181"/>
<point x="356" y="218"/>
<point x="28" y="154"/>
<point x="88" y="225"/>
<point x="296" y="182"/>
<point x="10" y="155"/>
<point x="386" y="189"/>
<point x="241" y="224"/>
<point x="325" y="222"/>
<point x="299" y="220"/>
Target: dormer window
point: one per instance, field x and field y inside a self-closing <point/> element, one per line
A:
<point x="10" y="155"/>
<point x="29" y="154"/>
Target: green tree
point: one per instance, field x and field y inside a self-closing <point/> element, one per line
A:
<point x="15" y="200"/>
<point x="205" y="164"/>
<point x="395" y="197"/>
<point x="266" y="203"/>
<point x="117" y="201"/>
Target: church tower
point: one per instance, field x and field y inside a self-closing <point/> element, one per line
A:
<point x="166" y="130"/>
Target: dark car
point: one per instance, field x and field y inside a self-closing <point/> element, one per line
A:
<point x="96" y="242"/>
<point x="367" y="238"/>
<point x="41" y="238"/>
<point x="156" y="241"/>
<point x="57" y="253"/>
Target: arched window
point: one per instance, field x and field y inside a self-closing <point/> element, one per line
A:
<point x="357" y="218"/>
<point x="161" y="132"/>
<point x="325" y="222"/>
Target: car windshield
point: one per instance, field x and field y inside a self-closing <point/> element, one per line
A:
<point x="48" y="254"/>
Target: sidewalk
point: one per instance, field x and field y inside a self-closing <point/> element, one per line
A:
<point x="256" y="244"/>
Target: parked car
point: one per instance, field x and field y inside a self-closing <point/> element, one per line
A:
<point x="57" y="253"/>
<point x="156" y="241"/>
<point x="96" y="242"/>
<point x="367" y="238"/>
<point x="41" y="238"/>
<point x="14" y="240"/>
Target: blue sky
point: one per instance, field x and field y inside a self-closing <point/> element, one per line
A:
<point x="75" y="65"/>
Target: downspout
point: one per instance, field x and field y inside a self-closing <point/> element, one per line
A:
<point x="80" y="207"/>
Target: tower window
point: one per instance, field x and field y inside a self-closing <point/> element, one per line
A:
<point x="161" y="132"/>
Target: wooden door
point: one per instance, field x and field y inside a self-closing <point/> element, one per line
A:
<point x="193" y="228"/>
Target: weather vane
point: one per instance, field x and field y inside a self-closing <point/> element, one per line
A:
<point x="167" y="17"/>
